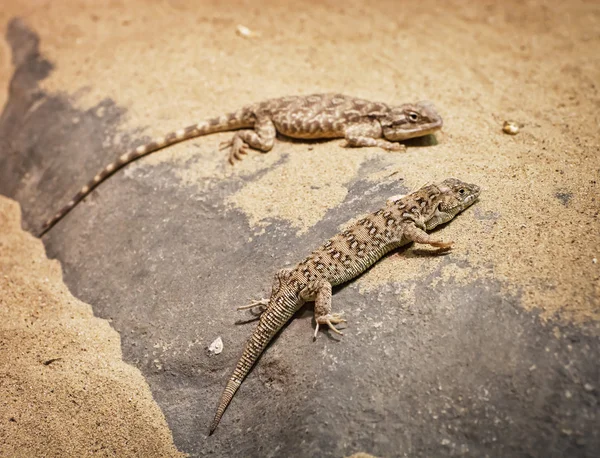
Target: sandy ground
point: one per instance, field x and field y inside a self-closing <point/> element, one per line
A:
<point x="535" y="229"/>
<point x="64" y="389"/>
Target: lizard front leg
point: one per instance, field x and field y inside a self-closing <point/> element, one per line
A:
<point x="320" y="292"/>
<point x="369" y="134"/>
<point x="261" y="138"/>
<point x="415" y="234"/>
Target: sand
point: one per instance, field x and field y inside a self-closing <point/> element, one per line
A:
<point x="64" y="388"/>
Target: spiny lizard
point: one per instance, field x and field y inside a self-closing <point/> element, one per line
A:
<point x="402" y="220"/>
<point x="360" y="122"/>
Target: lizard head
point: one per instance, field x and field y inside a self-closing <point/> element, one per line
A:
<point x="452" y="197"/>
<point x="410" y="121"/>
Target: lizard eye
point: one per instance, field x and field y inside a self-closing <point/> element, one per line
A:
<point x="461" y="191"/>
<point x="414" y="117"/>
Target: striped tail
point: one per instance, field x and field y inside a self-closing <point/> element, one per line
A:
<point x="232" y="121"/>
<point x="271" y="321"/>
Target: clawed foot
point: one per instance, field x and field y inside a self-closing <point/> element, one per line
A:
<point x="396" y="147"/>
<point x="442" y="245"/>
<point x="238" y="149"/>
<point x="330" y="320"/>
<point x="262" y="303"/>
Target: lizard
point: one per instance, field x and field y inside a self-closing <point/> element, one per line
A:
<point x="403" y="219"/>
<point x="318" y="116"/>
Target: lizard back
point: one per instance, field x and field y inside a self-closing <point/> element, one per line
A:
<point x="319" y="115"/>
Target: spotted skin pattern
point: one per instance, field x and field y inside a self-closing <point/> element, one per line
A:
<point x="404" y="219"/>
<point x="360" y="122"/>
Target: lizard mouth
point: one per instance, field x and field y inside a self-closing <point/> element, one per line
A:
<point x="428" y="130"/>
<point x="417" y="131"/>
<point x="467" y="202"/>
<point x="471" y="199"/>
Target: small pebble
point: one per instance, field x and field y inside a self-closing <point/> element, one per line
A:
<point x="245" y="32"/>
<point x="510" y="127"/>
<point x="216" y="347"/>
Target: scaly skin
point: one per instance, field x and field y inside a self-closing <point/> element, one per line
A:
<point x="360" y="122"/>
<point x="404" y="219"/>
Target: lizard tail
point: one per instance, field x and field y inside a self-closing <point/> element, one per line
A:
<point x="271" y="321"/>
<point x="231" y="121"/>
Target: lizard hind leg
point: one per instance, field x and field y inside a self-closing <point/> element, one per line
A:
<point x="321" y="294"/>
<point x="261" y="138"/>
<point x="278" y="280"/>
<point x="261" y="303"/>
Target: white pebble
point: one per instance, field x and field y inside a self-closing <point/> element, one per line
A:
<point x="245" y="32"/>
<point x="216" y="347"/>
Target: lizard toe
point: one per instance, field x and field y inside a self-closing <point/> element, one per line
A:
<point x="225" y="144"/>
<point x="262" y="303"/>
<point x="395" y="147"/>
<point x="330" y="320"/>
<point x="442" y="245"/>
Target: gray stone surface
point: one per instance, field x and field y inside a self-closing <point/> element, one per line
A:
<point x="462" y="371"/>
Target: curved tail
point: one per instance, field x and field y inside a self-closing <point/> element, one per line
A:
<point x="271" y="321"/>
<point x="232" y="121"/>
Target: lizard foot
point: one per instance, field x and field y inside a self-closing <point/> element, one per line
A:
<point x="390" y="146"/>
<point x="238" y="149"/>
<point x="262" y="303"/>
<point x="442" y="245"/>
<point x="330" y="320"/>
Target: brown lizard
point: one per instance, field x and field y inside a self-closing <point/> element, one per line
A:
<point x="360" y="122"/>
<point x="402" y="220"/>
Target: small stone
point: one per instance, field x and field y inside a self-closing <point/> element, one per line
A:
<point x="594" y="261"/>
<point x="510" y="128"/>
<point x="588" y="387"/>
<point x="216" y="347"/>
<point x="245" y="32"/>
